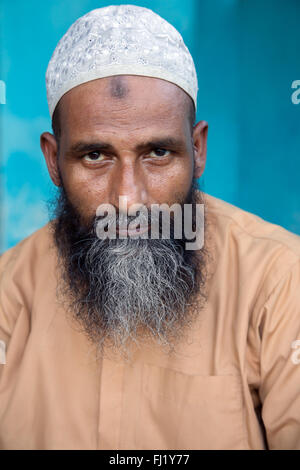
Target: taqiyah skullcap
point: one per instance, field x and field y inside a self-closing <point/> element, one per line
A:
<point x="119" y="40"/>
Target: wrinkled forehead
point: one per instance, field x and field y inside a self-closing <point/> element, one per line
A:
<point x="124" y="102"/>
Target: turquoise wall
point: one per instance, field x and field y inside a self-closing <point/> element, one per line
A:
<point x="247" y="54"/>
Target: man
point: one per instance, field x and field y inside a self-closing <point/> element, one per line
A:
<point x="139" y="343"/>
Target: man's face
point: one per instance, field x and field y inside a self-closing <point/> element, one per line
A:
<point x="126" y="136"/>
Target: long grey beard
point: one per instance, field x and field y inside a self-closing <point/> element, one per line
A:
<point x="125" y="290"/>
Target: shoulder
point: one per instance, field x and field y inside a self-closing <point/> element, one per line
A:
<point x="35" y="241"/>
<point x="259" y="255"/>
<point x="232" y="218"/>
<point x="20" y="264"/>
<point x="20" y="267"/>
<point x="25" y="270"/>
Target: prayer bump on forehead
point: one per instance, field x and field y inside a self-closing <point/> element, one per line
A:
<point x="118" y="87"/>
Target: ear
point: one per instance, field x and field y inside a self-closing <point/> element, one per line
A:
<point x="200" y="147"/>
<point x="49" y="149"/>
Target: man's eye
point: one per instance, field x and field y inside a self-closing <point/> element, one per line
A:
<point x="94" y="157"/>
<point x="160" y="153"/>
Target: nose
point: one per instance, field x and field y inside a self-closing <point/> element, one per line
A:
<point x="129" y="187"/>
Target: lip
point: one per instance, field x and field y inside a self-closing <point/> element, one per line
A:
<point x="130" y="233"/>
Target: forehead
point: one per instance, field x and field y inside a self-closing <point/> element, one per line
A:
<point x="124" y="104"/>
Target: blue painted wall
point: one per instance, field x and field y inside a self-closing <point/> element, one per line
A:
<point x="247" y="54"/>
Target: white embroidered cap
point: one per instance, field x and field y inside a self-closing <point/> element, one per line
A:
<point x="119" y="40"/>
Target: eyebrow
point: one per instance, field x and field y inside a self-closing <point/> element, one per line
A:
<point x="165" y="142"/>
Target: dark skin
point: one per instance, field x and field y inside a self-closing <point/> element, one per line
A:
<point x="131" y="138"/>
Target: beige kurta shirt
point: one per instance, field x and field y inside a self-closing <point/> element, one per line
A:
<point x="241" y="356"/>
